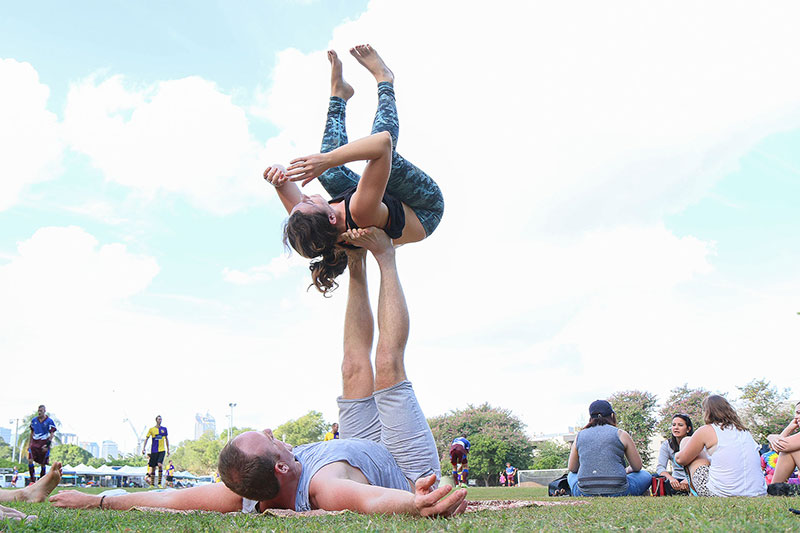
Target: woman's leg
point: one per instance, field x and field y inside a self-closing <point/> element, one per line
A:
<point x="572" y="481"/>
<point x="407" y="183"/>
<point x="338" y="179"/>
<point x="787" y="462"/>
<point x="639" y="482"/>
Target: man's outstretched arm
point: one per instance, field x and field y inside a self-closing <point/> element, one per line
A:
<point x="213" y="497"/>
<point x="336" y="494"/>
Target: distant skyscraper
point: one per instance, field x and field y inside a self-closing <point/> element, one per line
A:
<point x="5" y="434"/>
<point x="203" y="423"/>
<point x="68" y="438"/>
<point x="91" y="447"/>
<point x="109" y="449"/>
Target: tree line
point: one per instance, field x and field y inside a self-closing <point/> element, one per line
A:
<point x="496" y="434"/>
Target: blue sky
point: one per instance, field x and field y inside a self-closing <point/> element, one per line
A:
<point x="620" y="205"/>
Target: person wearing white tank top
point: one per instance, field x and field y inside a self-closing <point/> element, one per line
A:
<point x="722" y="456"/>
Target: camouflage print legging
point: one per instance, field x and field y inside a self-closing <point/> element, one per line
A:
<point x="407" y="183"/>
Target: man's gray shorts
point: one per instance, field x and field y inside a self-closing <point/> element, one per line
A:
<point x="393" y="417"/>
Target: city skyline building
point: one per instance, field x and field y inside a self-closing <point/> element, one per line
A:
<point x="69" y="438"/>
<point x="109" y="449"/>
<point x="91" y="447"/>
<point x="5" y="434"/>
<point x="204" y="423"/>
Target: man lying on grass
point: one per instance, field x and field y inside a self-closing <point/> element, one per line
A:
<point x="386" y="459"/>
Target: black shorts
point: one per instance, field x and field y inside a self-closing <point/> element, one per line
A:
<point x="156" y="459"/>
<point x="170" y="478"/>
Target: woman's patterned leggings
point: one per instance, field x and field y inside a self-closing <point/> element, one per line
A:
<point x="407" y="183"/>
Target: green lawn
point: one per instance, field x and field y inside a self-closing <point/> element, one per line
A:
<point x="645" y="513"/>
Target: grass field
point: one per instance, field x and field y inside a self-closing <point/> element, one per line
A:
<point x="638" y="514"/>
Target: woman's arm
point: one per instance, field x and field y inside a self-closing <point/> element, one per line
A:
<point x="663" y="459"/>
<point x="288" y="192"/>
<point x="308" y="167"/>
<point x="213" y="497"/>
<point x="574" y="462"/>
<point x="785" y="442"/>
<point x="631" y="453"/>
<point x="693" y="446"/>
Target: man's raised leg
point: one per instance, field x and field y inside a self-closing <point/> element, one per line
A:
<point x="357" y="377"/>
<point x="405" y="431"/>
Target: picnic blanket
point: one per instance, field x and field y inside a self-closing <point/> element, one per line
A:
<point x="473" y="506"/>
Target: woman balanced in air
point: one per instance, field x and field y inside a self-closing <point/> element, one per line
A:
<point x="392" y="194"/>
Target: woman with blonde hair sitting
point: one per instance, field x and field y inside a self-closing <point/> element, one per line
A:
<point x="722" y="457"/>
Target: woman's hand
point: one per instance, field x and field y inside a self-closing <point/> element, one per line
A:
<point x="308" y="167"/>
<point x="672" y="481"/>
<point x="276" y="175"/>
<point x="683" y="486"/>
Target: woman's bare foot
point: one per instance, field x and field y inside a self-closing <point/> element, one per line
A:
<point x="367" y="56"/>
<point x="39" y="491"/>
<point x="339" y="87"/>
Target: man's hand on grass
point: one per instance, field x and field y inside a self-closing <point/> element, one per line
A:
<point x="74" y="499"/>
<point x="435" y="503"/>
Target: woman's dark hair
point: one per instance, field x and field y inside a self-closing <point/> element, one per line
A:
<point x="673" y="442"/>
<point x="313" y="236"/>
<point x="600" y="420"/>
<point x="249" y="476"/>
<point x="717" y="410"/>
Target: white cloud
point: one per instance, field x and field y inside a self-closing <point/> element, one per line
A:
<point x="276" y="268"/>
<point x="30" y="143"/>
<point x="178" y="136"/>
<point x="561" y="135"/>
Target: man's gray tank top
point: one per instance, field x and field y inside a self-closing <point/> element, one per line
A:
<point x="602" y="461"/>
<point x="372" y="458"/>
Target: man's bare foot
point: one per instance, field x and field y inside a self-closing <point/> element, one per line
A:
<point x="39" y="491"/>
<point x="367" y="56"/>
<point x="339" y="87"/>
<point x="375" y="240"/>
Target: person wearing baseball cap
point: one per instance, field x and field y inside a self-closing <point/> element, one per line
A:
<point x="597" y="459"/>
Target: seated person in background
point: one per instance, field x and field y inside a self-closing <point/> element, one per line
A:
<point x="597" y="458"/>
<point x="787" y="446"/>
<point x="722" y="457"/>
<point x="681" y="427"/>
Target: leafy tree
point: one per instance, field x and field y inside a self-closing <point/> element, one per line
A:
<point x="635" y="414"/>
<point x="496" y="436"/>
<point x="550" y="454"/>
<point x="310" y="427"/>
<point x="5" y="450"/>
<point x="200" y="456"/>
<point x="69" y="454"/>
<point x="681" y="400"/>
<point x="764" y="408"/>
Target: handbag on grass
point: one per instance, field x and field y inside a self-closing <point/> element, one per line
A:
<point x="559" y="487"/>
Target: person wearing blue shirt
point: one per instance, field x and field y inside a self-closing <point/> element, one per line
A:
<point x="458" y="458"/>
<point x="42" y="430"/>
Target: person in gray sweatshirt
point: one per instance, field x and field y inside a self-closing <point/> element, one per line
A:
<point x="681" y="427"/>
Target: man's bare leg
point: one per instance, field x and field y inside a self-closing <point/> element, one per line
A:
<point x="357" y="376"/>
<point x="36" y="492"/>
<point x="392" y="311"/>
